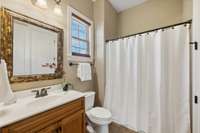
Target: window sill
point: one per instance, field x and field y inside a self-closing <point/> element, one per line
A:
<point x="81" y="55"/>
<point x="80" y="59"/>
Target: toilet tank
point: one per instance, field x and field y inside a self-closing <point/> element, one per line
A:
<point x="89" y="100"/>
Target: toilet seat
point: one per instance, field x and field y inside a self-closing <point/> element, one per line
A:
<point x="99" y="115"/>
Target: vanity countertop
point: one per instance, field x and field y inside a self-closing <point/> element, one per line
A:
<point x="27" y="105"/>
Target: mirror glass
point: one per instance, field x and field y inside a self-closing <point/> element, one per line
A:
<point x="32" y="49"/>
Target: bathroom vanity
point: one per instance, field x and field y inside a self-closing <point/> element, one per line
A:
<point x="68" y="118"/>
<point x="59" y="112"/>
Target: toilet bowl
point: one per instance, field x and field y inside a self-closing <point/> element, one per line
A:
<point x="99" y="117"/>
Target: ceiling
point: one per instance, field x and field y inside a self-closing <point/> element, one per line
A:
<point x="121" y="5"/>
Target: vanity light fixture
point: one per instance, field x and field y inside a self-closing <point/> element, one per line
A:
<point x="58" y="8"/>
<point x="40" y="3"/>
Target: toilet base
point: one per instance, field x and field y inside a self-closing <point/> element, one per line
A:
<point x="102" y="129"/>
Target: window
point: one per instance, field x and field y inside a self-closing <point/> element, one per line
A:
<point x="81" y="36"/>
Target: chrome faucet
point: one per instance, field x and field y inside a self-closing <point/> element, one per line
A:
<point x="37" y="93"/>
<point x="41" y="93"/>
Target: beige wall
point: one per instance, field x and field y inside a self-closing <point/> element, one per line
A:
<point x="105" y="18"/>
<point x="99" y="54"/>
<point x="149" y="15"/>
<point x="47" y="15"/>
<point x="187" y="9"/>
<point x="111" y="19"/>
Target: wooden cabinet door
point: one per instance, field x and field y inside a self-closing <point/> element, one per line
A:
<point x="74" y="123"/>
<point x="50" y="129"/>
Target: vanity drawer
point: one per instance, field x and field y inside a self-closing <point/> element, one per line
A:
<point x="44" y="120"/>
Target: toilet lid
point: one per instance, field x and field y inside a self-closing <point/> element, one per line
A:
<point x="100" y="114"/>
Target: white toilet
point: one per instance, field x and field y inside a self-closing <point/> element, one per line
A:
<point x="99" y="117"/>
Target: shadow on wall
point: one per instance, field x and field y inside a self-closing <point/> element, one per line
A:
<point x="97" y="98"/>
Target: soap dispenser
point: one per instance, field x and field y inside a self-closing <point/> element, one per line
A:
<point x="67" y="87"/>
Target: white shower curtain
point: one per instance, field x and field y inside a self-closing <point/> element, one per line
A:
<point x="147" y="81"/>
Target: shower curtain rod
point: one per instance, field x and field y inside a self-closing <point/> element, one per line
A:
<point x="166" y="27"/>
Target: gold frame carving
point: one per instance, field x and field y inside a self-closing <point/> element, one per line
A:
<point x="6" y="40"/>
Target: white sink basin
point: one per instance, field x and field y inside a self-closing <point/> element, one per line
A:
<point x="48" y="100"/>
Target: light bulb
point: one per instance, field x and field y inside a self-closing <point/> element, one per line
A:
<point x="41" y="3"/>
<point x="58" y="10"/>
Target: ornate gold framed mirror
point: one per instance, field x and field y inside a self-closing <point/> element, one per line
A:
<point x="32" y="49"/>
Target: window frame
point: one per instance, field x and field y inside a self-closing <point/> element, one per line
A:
<point x="84" y="19"/>
<point x="80" y="21"/>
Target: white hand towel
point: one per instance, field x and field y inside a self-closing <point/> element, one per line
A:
<point x="84" y="71"/>
<point x="6" y="94"/>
